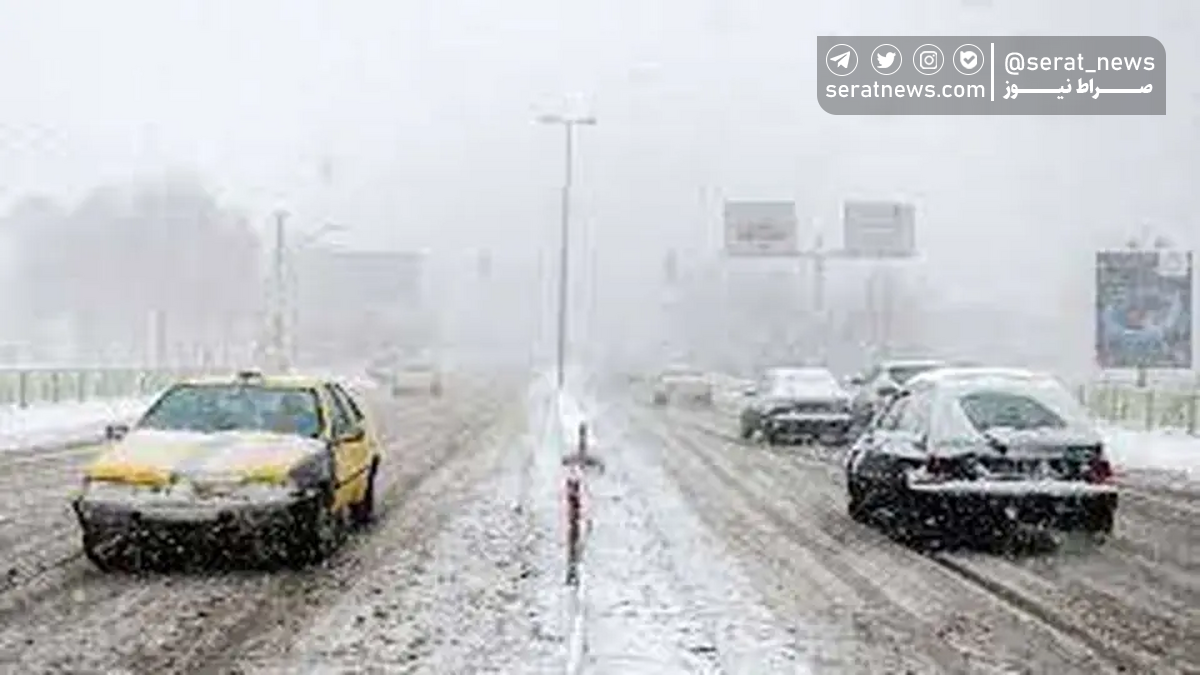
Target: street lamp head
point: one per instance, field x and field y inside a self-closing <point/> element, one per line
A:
<point x="561" y="119"/>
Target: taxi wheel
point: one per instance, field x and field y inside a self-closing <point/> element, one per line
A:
<point x="318" y="533"/>
<point x="100" y="552"/>
<point x="365" y="511"/>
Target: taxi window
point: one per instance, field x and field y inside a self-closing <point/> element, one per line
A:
<point x="341" y="420"/>
<point x="206" y="408"/>
<point x="348" y="403"/>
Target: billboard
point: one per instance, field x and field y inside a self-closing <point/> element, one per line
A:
<point x="875" y="229"/>
<point x="1144" y="309"/>
<point x="760" y="229"/>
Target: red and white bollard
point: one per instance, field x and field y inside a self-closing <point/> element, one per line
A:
<point x="574" y="513"/>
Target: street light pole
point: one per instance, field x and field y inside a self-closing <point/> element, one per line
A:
<point x="296" y="290"/>
<point x="568" y="124"/>
<point x="277" y="309"/>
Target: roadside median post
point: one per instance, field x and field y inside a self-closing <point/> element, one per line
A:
<point x="574" y="501"/>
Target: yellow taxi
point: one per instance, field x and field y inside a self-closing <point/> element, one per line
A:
<point x="284" y="463"/>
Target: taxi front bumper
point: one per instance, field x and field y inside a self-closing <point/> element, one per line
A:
<point x="219" y="520"/>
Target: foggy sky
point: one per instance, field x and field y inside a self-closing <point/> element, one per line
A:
<point x="426" y="109"/>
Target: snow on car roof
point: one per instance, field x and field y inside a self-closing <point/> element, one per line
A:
<point x="801" y="373"/>
<point x="979" y="375"/>
<point x="678" y="369"/>
<point x="910" y="363"/>
<point x="808" y="382"/>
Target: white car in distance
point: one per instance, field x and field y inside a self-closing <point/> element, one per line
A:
<point x="682" y="384"/>
<point x="797" y="404"/>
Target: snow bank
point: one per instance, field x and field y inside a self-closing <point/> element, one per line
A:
<point x="1164" y="450"/>
<point x="63" y="423"/>
<point x="657" y="594"/>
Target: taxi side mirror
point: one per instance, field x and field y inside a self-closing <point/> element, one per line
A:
<point x="115" y="432"/>
<point x="355" y="435"/>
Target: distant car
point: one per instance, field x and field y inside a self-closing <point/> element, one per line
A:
<point x="966" y="451"/>
<point x="881" y="382"/>
<point x="417" y="378"/>
<point x="682" y="384"/>
<point x="790" y="404"/>
<point x="279" y="462"/>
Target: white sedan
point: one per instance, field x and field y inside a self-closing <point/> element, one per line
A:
<point x="680" y="383"/>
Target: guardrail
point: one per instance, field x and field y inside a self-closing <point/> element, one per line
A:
<point x="23" y="387"/>
<point x="1146" y="408"/>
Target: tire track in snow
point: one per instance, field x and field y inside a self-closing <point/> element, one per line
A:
<point x="451" y="595"/>
<point x="1137" y="631"/>
<point x="286" y="601"/>
<point x="901" y="591"/>
<point x="674" y="567"/>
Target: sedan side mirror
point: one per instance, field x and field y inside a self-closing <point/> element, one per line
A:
<point x="856" y="380"/>
<point x="115" y="432"/>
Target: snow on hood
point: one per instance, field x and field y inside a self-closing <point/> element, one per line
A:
<point x="153" y="456"/>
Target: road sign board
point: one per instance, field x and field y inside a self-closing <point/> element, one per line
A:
<point x="1144" y="309"/>
<point x="760" y="229"/>
<point x="879" y="229"/>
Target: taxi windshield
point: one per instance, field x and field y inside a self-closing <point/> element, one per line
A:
<point x="235" y="407"/>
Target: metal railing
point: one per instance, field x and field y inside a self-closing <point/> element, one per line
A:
<point x="23" y="387"/>
<point x="1147" y="408"/>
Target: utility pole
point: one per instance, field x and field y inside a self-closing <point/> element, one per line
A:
<point x="568" y="124"/>
<point x="278" y="310"/>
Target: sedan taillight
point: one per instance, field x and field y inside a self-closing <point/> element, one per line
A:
<point x="935" y="470"/>
<point x="1101" y="471"/>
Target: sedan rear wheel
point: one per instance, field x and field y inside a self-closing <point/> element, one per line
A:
<point x="1100" y="523"/>
<point x="855" y="504"/>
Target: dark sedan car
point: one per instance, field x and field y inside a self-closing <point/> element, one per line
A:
<point x="974" y="451"/>
<point x="791" y="404"/>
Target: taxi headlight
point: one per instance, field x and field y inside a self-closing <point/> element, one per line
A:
<point x="240" y="490"/>
<point x="108" y="489"/>
<point x="257" y="491"/>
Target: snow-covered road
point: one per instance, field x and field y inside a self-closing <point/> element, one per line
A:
<point x="705" y="555"/>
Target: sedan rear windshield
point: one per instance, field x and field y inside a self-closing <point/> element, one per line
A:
<point x="1002" y="409"/>
<point x="235" y="407"/>
<point x="966" y="413"/>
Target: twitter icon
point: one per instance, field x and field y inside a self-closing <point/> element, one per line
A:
<point x="886" y="59"/>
